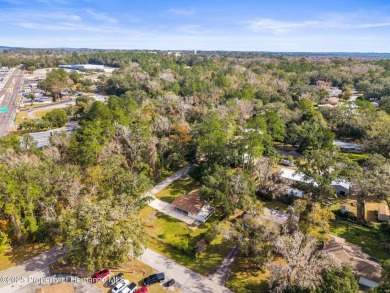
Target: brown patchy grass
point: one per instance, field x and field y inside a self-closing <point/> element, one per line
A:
<point x="18" y="254"/>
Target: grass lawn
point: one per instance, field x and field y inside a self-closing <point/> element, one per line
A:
<point x="350" y="202"/>
<point x="371" y="240"/>
<point x="177" y="188"/>
<point x="18" y="254"/>
<point x="175" y="240"/>
<point x="275" y="205"/>
<point x="41" y="113"/>
<point x="244" y="278"/>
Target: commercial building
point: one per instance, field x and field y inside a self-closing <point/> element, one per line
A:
<point x="83" y="67"/>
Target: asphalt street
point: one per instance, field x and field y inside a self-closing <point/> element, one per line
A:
<point x="9" y="96"/>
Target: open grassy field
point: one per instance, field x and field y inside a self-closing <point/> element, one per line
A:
<point x="177" y="241"/>
<point x="177" y="188"/>
<point x="18" y="254"/>
<point x="371" y="240"/>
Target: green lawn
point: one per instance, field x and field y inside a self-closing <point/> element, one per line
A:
<point x="177" y="188"/>
<point x="175" y="240"/>
<point x="275" y="205"/>
<point x="371" y="240"/>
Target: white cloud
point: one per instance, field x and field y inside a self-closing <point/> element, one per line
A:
<point x="332" y="21"/>
<point x="276" y="26"/>
<point x="102" y="16"/>
<point x="182" y="11"/>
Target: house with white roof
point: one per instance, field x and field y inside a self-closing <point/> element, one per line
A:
<point x="291" y="176"/>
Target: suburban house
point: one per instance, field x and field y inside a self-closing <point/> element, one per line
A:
<point x="367" y="271"/>
<point x="347" y="147"/>
<point x="383" y="212"/>
<point x="193" y="206"/>
<point x="291" y="176"/>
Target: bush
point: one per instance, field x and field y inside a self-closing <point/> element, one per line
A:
<point x="57" y="118"/>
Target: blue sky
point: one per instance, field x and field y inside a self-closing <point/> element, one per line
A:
<point x="272" y="25"/>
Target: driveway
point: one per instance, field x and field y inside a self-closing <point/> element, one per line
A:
<point x="174" y="177"/>
<point x="169" y="210"/>
<point x="188" y="281"/>
<point x="165" y="207"/>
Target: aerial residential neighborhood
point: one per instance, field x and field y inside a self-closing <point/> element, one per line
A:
<point x="203" y="147"/>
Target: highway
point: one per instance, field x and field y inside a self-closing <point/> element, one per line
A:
<point x="9" y="98"/>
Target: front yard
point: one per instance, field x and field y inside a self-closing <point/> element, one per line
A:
<point x="177" y="241"/>
<point x="245" y="278"/>
<point x="177" y="188"/>
<point x="17" y="254"/>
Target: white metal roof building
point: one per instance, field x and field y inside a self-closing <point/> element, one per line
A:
<point x="341" y="186"/>
<point x="83" y="67"/>
<point x="348" y="147"/>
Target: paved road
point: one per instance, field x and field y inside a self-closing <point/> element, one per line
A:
<point x="187" y="280"/>
<point x="9" y="97"/>
<point x="30" y="113"/>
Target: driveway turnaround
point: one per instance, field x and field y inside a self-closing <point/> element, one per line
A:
<point x="170" y="210"/>
<point x="188" y="281"/>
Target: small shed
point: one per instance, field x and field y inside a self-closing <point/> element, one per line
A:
<point x="383" y="212"/>
<point x="341" y="187"/>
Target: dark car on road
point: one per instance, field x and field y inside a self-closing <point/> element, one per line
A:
<point x="115" y="279"/>
<point x="155" y="278"/>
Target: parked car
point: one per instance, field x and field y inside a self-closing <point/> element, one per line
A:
<point x="286" y="163"/>
<point x="130" y="289"/>
<point x="120" y="286"/>
<point x="115" y="279"/>
<point x="142" y="290"/>
<point x="155" y="278"/>
<point x="170" y="283"/>
<point x="98" y="277"/>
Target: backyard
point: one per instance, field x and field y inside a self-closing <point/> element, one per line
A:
<point x="371" y="240"/>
